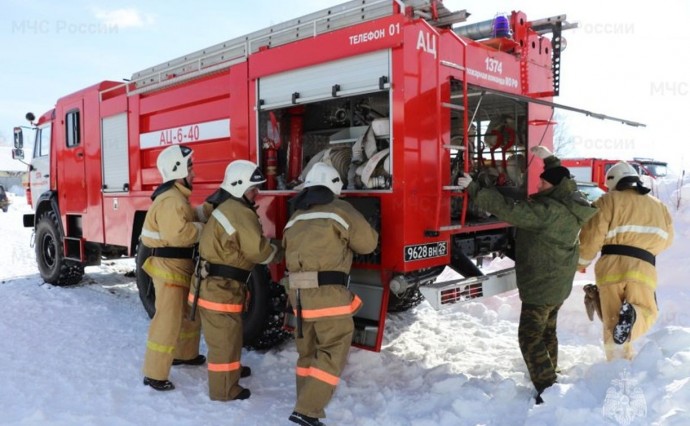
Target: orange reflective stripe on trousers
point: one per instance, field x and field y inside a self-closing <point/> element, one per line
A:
<point x="222" y="368"/>
<point x="230" y="308"/>
<point x="318" y="375"/>
<point x="333" y="311"/>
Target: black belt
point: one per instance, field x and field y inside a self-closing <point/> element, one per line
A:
<point x="333" y="278"/>
<point x="623" y="250"/>
<point x="227" y="271"/>
<point x="173" y="252"/>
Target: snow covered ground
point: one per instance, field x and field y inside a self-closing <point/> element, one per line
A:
<point x="73" y="356"/>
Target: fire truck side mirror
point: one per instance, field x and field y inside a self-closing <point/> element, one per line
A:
<point x="18" y="138"/>
<point x="17" y="154"/>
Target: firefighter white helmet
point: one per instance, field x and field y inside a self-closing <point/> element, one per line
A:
<point x="321" y="174"/>
<point x="619" y="171"/>
<point x="240" y="175"/>
<point x="173" y="161"/>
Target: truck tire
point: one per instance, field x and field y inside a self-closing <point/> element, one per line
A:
<point x="262" y="323"/>
<point x="147" y="293"/>
<point x="254" y="318"/>
<point x="52" y="265"/>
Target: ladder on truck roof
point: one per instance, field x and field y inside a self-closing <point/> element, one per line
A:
<point x="223" y="55"/>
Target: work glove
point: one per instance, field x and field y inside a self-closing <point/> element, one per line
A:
<point x="541" y="151"/>
<point x="592" y="301"/>
<point x="464" y="181"/>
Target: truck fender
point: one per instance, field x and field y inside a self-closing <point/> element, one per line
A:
<point x="47" y="202"/>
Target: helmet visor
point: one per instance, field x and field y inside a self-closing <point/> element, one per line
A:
<point x="257" y="177"/>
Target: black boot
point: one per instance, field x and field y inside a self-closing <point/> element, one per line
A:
<point x="626" y="320"/>
<point x="159" y="385"/>
<point x="198" y="360"/>
<point x="303" y="420"/>
<point x="244" y="394"/>
<point x="245" y="372"/>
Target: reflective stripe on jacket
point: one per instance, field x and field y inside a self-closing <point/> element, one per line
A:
<point x="630" y="219"/>
<point x="171" y="222"/>
<point x="232" y="236"/>
<point x="323" y="238"/>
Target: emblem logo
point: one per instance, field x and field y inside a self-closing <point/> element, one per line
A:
<point x="624" y="400"/>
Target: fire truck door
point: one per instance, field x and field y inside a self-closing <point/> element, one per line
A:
<point x="39" y="175"/>
<point x="71" y="159"/>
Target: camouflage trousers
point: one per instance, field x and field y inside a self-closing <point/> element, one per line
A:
<point x="539" y="343"/>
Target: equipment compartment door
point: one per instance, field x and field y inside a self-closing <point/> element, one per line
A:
<point x="114" y="153"/>
<point x="346" y="77"/>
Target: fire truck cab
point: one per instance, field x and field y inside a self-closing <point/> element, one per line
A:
<point x="392" y="93"/>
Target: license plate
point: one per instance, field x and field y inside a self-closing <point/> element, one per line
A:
<point x="425" y="251"/>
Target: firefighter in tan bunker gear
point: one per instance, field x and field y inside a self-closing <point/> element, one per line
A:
<point x="231" y="244"/>
<point x="319" y="241"/>
<point x="630" y="229"/>
<point x="171" y="229"/>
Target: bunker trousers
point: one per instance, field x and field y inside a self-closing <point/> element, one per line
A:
<point x="171" y="334"/>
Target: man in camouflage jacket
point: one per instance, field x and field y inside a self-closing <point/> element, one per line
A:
<point x="547" y="250"/>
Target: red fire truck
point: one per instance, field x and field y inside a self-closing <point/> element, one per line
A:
<point x="595" y="169"/>
<point x="392" y="93"/>
<point x="589" y="169"/>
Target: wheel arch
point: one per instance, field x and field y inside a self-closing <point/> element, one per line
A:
<point x="47" y="202"/>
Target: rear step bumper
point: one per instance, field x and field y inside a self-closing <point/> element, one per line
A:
<point x="453" y="291"/>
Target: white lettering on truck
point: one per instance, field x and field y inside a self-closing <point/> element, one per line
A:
<point x="427" y="43"/>
<point x="186" y="134"/>
<point x="368" y="36"/>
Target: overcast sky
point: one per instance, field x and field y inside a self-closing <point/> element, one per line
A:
<point x="624" y="61"/>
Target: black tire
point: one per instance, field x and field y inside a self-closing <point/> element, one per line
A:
<point x="147" y="293"/>
<point x="52" y="265"/>
<point x="262" y="323"/>
<point x="254" y="318"/>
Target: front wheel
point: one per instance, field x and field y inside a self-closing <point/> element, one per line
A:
<point x="53" y="266"/>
